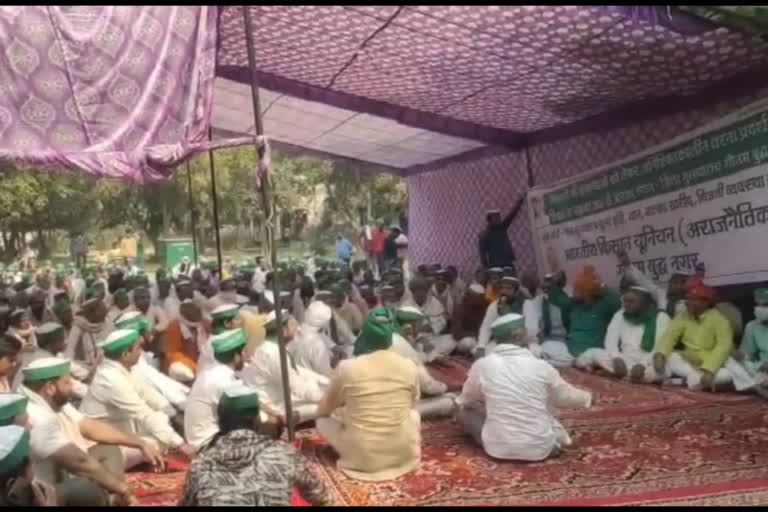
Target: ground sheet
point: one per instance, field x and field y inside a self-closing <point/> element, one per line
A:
<point x="640" y="445"/>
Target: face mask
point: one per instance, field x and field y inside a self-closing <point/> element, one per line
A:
<point x="761" y="313"/>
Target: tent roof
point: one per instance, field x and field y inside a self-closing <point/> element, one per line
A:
<point x="384" y="84"/>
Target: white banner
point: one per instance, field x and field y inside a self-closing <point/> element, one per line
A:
<point x="702" y="197"/>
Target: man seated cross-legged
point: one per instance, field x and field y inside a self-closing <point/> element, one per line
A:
<point x="506" y="401"/>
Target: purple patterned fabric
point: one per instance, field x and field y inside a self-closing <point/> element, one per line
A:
<point x="521" y="69"/>
<point x="447" y="206"/>
<point x="116" y="91"/>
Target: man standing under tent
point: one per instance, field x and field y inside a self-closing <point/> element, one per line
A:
<point x="507" y="399"/>
<point x="495" y="247"/>
<point x="706" y="337"/>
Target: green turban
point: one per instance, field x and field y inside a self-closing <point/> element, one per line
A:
<point x="376" y="333"/>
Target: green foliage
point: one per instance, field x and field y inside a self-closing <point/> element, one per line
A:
<point x="36" y="201"/>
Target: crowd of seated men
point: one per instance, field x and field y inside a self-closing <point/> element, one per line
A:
<point x="105" y="369"/>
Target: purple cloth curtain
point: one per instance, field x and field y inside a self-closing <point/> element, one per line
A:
<point x="112" y="91"/>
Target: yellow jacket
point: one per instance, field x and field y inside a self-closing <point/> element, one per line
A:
<point x="707" y="341"/>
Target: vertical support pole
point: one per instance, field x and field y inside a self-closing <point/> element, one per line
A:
<point x="266" y="197"/>
<point x="192" y="212"/>
<point x="215" y="198"/>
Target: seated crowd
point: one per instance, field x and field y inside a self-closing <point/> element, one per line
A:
<point x="103" y="370"/>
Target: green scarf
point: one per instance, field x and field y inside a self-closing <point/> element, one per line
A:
<point x="376" y="333"/>
<point x="511" y="306"/>
<point x="647" y="319"/>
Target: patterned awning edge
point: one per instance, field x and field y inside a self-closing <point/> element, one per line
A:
<point x="510" y="76"/>
<point x="117" y="91"/>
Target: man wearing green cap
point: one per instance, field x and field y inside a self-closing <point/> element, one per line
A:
<point x="121" y="302"/>
<point x="505" y="403"/>
<point x="150" y="362"/>
<point x="510" y="301"/>
<point x="406" y="344"/>
<point x="200" y="421"/>
<point x="18" y="486"/>
<point x="52" y="342"/>
<point x="13" y="410"/>
<point x="630" y="339"/>
<point x="127" y="401"/>
<point x="436" y="344"/>
<point x="262" y="371"/>
<point x="62" y="311"/>
<point x="65" y="442"/>
<point x="378" y="437"/>
<point x="753" y="352"/>
<point x="241" y="466"/>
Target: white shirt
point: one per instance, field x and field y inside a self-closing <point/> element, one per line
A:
<point x="310" y="349"/>
<point x="428" y="384"/>
<point x="517" y="390"/>
<point x="200" y="416"/>
<point x="129" y="403"/>
<point x="262" y="372"/>
<point x="622" y="337"/>
<point x="50" y="430"/>
<point x="533" y="313"/>
<point x="434" y="311"/>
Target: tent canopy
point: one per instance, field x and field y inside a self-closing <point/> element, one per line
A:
<point x="128" y="91"/>
<point x="410" y="86"/>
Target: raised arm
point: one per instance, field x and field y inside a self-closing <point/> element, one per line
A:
<point x="513" y="213"/>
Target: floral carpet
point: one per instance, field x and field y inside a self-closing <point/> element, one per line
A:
<point x="639" y="445"/>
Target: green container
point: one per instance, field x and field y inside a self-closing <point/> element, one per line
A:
<point x="171" y="250"/>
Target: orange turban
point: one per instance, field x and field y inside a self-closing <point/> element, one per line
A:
<point x="587" y="284"/>
<point x="701" y="291"/>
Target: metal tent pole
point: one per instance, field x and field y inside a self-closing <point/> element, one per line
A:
<point x="266" y="197"/>
<point x="192" y="212"/>
<point x="215" y="204"/>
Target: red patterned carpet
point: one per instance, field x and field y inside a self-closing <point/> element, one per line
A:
<point x="640" y="445"/>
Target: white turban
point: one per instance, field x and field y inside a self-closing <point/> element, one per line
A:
<point x="318" y="315"/>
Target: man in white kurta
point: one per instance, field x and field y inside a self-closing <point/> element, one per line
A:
<point x="440" y="345"/>
<point x="506" y="402"/>
<point x="510" y="301"/>
<point x="630" y="343"/>
<point x="200" y="415"/>
<point x="147" y="366"/>
<point x="312" y="348"/>
<point x="126" y="401"/>
<point x="262" y="371"/>
<point x="52" y="342"/>
<point x="61" y="438"/>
